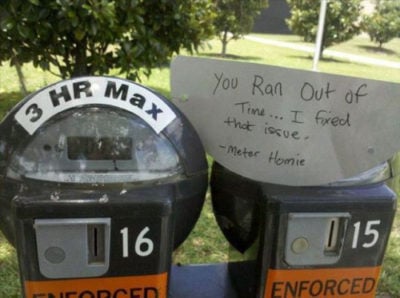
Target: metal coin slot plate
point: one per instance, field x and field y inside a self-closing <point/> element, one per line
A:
<point x="315" y="238"/>
<point x="78" y="247"/>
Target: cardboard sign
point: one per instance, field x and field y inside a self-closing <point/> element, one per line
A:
<point x="288" y="126"/>
<point x="94" y="91"/>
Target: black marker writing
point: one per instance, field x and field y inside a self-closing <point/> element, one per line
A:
<point x="278" y="160"/>
<point x="247" y="108"/>
<point x="233" y="122"/>
<point x="354" y="97"/>
<point x="261" y="88"/>
<point x="326" y="118"/>
<point x="309" y="92"/>
<point x="225" y="83"/>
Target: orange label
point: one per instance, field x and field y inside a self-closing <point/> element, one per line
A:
<point x="327" y="283"/>
<point x="146" y="286"/>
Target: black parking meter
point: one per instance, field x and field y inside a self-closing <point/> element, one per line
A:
<point x="100" y="179"/>
<point x="301" y="242"/>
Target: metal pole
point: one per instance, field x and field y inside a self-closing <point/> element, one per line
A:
<point x="320" y="33"/>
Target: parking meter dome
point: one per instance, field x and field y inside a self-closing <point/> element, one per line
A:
<point x="98" y="138"/>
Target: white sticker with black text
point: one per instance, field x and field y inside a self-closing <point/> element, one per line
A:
<point x="91" y="91"/>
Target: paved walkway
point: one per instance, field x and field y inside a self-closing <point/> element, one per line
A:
<point x="335" y="54"/>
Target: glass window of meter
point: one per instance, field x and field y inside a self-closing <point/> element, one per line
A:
<point x="95" y="145"/>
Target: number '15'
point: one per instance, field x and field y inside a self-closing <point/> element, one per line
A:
<point x="368" y="231"/>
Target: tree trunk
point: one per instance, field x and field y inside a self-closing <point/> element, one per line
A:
<point x="224" y="42"/>
<point x="21" y="77"/>
<point x="80" y="67"/>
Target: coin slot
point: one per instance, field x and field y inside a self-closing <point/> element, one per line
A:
<point x="333" y="236"/>
<point x="96" y="243"/>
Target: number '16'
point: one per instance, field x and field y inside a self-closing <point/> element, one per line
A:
<point x="143" y="246"/>
<point x="368" y="231"/>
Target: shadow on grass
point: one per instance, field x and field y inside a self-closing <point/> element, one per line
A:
<point x="8" y="100"/>
<point x="378" y="50"/>
<point x="323" y="59"/>
<point x="229" y="56"/>
<point x="10" y="96"/>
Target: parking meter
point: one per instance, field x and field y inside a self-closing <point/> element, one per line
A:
<point x="322" y="241"/>
<point x="100" y="179"/>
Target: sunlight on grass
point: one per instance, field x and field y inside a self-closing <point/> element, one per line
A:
<point x="5" y="251"/>
<point x="290" y="58"/>
<point x="35" y="78"/>
<point x="390" y="276"/>
<point x="9" y="277"/>
<point x="359" y="45"/>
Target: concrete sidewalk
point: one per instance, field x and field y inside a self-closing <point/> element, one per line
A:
<point x="335" y="54"/>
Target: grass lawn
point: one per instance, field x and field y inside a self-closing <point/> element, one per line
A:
<point x="360" y="45"/>
<point x="206" y="243"/>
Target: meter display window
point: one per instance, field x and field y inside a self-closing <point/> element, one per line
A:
<point x="95" y="145"/>
<point x="105" y="148"/>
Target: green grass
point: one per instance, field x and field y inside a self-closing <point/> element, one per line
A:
<point x="206" y="243"/>
<point x="360" y="45"/>
<point x="9" y="277"/>
<point x="240" y="50"/>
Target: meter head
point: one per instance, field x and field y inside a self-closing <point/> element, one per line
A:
<point x="100" y="136"/>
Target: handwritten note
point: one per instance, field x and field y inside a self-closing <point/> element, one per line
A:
<point x="288" y="126"/>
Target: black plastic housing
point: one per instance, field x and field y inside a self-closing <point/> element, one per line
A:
<point x="254" y="218"/>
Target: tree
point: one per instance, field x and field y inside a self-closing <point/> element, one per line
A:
<point x="341" y="21"/>
<point x="85" y="37"/>
<point x="234" y="18"/>
<point x="9" y="54"/>
<point x="384" y="23"/>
